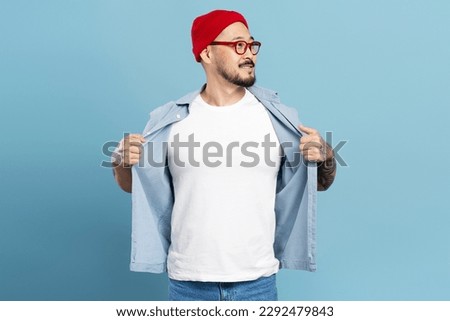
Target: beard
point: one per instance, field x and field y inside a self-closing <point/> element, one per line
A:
<point x="235" y="78"/>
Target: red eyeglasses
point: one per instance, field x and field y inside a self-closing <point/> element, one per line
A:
<point x="240" y="46"/>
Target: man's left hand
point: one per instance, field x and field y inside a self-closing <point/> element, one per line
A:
<point x="315" y="149"/>
<point x="312" y="145"/>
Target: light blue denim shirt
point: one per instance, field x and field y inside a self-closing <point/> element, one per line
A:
<point x="152" y="190"/>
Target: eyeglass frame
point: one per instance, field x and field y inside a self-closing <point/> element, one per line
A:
<point x="235" y="43"/>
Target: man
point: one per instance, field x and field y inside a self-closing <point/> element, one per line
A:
<point x="221" y="199"/>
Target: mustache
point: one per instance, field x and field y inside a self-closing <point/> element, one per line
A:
<point x="249" y="63"/>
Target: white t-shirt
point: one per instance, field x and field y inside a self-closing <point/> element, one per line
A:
<point x="223" y="220"/>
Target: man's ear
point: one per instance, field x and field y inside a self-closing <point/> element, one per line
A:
<point x="205" y="55"/>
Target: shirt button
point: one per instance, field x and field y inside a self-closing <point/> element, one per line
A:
<point x="178" y="116"/>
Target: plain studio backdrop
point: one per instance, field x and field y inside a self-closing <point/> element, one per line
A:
<point x="75" y="75"/>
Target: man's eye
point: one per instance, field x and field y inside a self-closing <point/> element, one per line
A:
<point x="240" y="45"/>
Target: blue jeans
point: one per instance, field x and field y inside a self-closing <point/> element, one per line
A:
<point x="262" y="289"/>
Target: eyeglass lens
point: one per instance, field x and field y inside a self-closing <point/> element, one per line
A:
<point x="241" y="47"/>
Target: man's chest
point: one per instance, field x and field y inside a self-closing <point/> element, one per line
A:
<point x="213" y="138"/>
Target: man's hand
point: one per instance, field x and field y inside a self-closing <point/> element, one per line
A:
<point x="315" y="149"/>
<point x="129" y="150"/>
<point x="312" y="145"/>
<point x="126" y="155"/>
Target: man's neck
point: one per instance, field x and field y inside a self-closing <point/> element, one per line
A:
<point x="222" y="94"/>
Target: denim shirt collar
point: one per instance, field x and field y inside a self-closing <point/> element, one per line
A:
<point x="267" y="97"/>
<point x="262" y="94"/>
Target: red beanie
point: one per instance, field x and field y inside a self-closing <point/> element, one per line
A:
<point x="206" y="28"/>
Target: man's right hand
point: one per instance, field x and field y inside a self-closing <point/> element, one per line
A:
<point x="126" y="155"/>
<point x="129" y="150"/>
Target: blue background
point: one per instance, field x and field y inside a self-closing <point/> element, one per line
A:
<point x="77" y="74"/>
